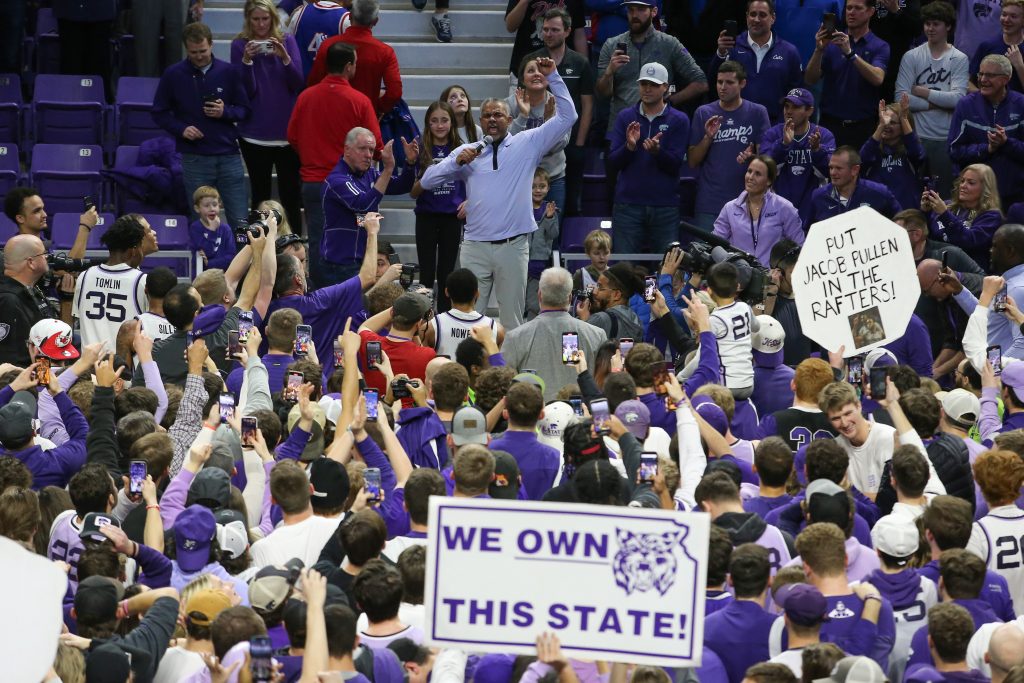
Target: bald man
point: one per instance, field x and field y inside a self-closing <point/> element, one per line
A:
<point x="996" y="648"/>
<point x="22" y="304"/>
<point x="946" y="321"/>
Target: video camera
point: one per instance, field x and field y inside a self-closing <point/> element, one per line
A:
<point x="71" y="265"/>
<point x="255" y="225"/>
<point x="701" y="255"/>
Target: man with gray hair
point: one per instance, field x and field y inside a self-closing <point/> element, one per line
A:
<point x="986" y="128"/>
<point x="22" y="305"/>
<point x="499" y="210"/>
<point x="377" y="61"/>
<point x="353" y="189"/>
<point x="537" y="344"/>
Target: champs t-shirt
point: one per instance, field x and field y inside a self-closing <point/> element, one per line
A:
<point x="721" y="177"/>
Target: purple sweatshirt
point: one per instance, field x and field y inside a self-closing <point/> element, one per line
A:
<point x="972" y="233"/>
<point x="721" y="177"/>
<point x="420" y="427"/>
<point x="444" y="198"/>
<point x="56" y="466"/>
<point x="778" y="220"/>
<point x="272" y="88"/>
<point x="348" y="193"/>
<point x="391" y="510"/>
<point x="538" y="463"/>
<point x="914" y="348"/>
<point x="772" y="379"/>
<point x="801" y="169"/>
<point x="645" y="178"/>
<point x="981" y="612"/>
<point x="738" y="634"/>
<point x="994" y="591"/>
<point x="898" y="172"/>
<point x="178" y="104"/>
<point x="973" y="118"/>
<point x="218" y="245"/>
<point x="326" y="310"/>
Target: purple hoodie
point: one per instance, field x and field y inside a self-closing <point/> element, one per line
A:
<point x="538" y="463"/>
<point x="272" y="88"/>
<point x="772" y="379"/>
<point x="898" y="172"/>
<point x="994" y="591"/>
<point x="420" y="427"/>
<point x="981" y="612"/>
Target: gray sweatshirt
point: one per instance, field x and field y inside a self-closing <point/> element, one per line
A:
<point x="554" y="160"/>
<point x="946" y="77"/>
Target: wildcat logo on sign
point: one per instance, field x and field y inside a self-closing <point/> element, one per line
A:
<point x="615" y="584"/>
<point x="645" y="561"/>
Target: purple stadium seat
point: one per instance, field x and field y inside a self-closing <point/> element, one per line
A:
<point x="7" y="229"/>
<point x="10" y="168"/>
<point x="126" y="157"/>
<point x="575" y="230"/>
<point x="134" y="100"/>
<point x="69" y="109"/>
<point x="65" y="174"/>
<point x="64" y="229"/>
<point x="10" y="107"/>
<point x="47" y="48"/>
<point x="171" y="231"/>
<point x="181" y="266"/>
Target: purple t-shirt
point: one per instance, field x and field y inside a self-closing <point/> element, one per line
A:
<point x="444" y="198"/>
<point x="538" y="463"/>
<point x="325" y="310"/>
<point x="721" y="178"/>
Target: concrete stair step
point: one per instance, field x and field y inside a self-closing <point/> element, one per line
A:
<point x="422" y="89"/>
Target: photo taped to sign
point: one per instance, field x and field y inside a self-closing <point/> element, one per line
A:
<point x="615" y="584"/>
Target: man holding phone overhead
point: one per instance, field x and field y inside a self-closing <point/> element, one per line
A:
<point x="773" y="65"/>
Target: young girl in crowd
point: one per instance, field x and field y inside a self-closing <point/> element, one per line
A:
<point x="438" y="228"/>
<point x="458" y="99"/>
<point x="284" y="227"/>
<point x="541" y="241"/>
<point x="210" y="238"/>
<point x="894" y="154"/>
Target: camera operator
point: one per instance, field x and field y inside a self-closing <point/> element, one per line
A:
<point x="781" y="305"/>
<point x="22" y="304"/>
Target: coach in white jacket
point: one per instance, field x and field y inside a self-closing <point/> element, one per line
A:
<point x="499" y="210"/>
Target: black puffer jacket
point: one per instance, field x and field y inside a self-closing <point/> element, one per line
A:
<point x="952" y="463"/>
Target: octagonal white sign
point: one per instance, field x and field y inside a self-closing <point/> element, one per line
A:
<point x="855" y="282"/>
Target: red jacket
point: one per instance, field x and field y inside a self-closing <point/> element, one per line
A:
<point x="322" y="117"/>
<point x="375" y="63"/>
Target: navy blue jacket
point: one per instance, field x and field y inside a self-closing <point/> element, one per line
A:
<point x="973" y="118"/>
<point x="781" y="71"/>
<point x="825" y="201"/>
<point x="178" y="104"/>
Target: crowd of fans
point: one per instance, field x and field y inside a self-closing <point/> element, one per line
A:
<point x="233" y="475"/>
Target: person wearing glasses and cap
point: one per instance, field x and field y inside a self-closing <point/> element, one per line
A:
<point x="22" y="304"/>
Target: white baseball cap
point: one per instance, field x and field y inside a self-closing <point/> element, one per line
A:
<point x="896" y="535"/>
<point x="771" y="336"/>
<point x="962" y="407"/>
<point x="653" y="72"/>
<point x="557" y="415"/>
<point x="53" y="339"/>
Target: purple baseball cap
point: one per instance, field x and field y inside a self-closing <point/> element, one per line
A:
<point x="636" y="417"/>
<point x="208" y="320"/>
<point x="711" y="412"/>
<point x="801" y="97"/>
<point x="1013" y="376"/>
<point x="803" y="603"/>
<point x="194" y="530"/>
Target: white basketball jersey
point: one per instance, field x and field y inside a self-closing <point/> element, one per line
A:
<point x="451" y="327"/>
<point x="105" y="297"/>
<point x="1004" y="534"/>
<point x="731" y="325"/>
<point x="155" y="326"/>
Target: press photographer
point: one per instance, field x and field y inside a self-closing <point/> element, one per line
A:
<point x="22" y="303"/>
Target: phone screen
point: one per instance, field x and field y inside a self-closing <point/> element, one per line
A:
<point x="599" y="409"/>
<point x="731" y="28"/>
<point x="136" y="475"/>
<point x="828" y="21"/>
<point x="648" y="468"/>
<point x="373" y="354"/>
<point x="244" y="325"/>
<point x="234" y="343"/>
<point x="291" y="392"/>
<point x="303" y="336"/>
<point x="88" y="202"/>
<point x="650" y="289"/>
<point x="261" y="652"/>
<point x="577" y="405"/>
<point x="371" y="396"/>
<point x="339" y="355"/>
<point x="372" y="478"/>
<point x="999" y="302"/>
<point x="855" y="370"/>
<point x="878" y="386"/>
<point x="42" y="371"/>
<point x="249" y="425"/>
<point x="661" y="371"/>
<point x="625" y="344"/>
<point x="995" y="357"/>
<point x="570" y="348"/>
<point x="227" y="407"/>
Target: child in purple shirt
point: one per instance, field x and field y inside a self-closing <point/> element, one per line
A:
<point x="893" y="154"/>
<point x="208" y="237"/>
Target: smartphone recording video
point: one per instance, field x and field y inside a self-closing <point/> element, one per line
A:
<point x="570" y="348"/>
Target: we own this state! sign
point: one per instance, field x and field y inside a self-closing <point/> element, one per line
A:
<point x="613" y="583"/>
<point x="855" y="282"/>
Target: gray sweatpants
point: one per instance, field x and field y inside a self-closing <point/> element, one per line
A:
<point x="503" y="268"/>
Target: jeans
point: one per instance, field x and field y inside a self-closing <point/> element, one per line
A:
<point x="556" y="194"/>
<point x="705" y="221"/>
<point x="224" y="172"/>
<point x="312" y="200"/>
<point x="640" y="229"/>
<point x="260" y="160"/>
<point x="333" y="273"/>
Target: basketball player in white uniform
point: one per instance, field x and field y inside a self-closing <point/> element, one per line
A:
<point x="159" y="281"/>
<point x="448" y="329"/>
<point x="109" y="294"/>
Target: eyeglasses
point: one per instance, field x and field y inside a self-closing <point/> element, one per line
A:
<point x="983" y="75"/>
<point x="29" y="258"/>
<point x="493" y="115"/>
